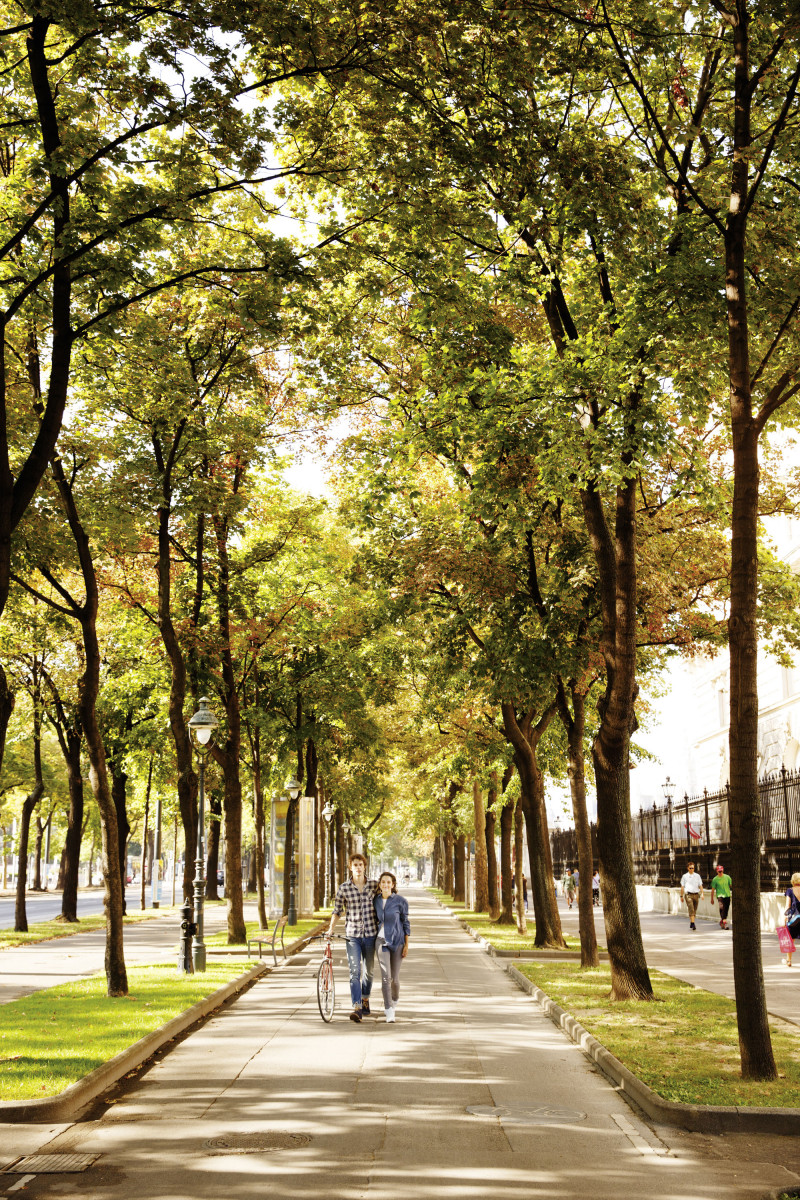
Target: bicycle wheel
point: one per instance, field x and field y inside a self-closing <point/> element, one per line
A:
<point x="326" y="990"/>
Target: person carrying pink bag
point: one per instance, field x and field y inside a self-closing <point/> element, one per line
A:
<point x="792" y="917"/>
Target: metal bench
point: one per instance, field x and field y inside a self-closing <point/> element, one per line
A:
<point x="278" y="928"/>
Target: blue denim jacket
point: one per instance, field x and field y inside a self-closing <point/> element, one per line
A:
<point x="393" y="914"/>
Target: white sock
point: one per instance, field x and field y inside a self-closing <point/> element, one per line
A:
<point x="389" y="1015"/>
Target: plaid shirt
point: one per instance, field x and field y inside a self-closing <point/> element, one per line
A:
<point x="360" y="920"/>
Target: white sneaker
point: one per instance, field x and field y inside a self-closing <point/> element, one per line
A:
<point x="389" y="1016"/>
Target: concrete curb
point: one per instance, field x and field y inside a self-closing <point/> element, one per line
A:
<point x="68" y="1104"/>
<point x="78" y="1095"/>
<point x="523" y="955"/>
<point x="702" y="1118"/>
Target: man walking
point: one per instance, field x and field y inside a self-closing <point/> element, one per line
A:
<point x="721" y="887"/>
<point x="691" y="892"/>
<point x="356" y="897"/>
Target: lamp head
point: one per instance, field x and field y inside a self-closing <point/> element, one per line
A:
<point x="293" y="787"/>
<point x="327" y="813"/>
<point x="668" y="788"/>
<point x="203" y="724"/>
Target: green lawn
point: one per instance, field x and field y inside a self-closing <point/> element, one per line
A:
<point x="291" y="932"/>
<point x="684" y="1045"/>
<point x="45" y="931"/>
<point x="54" y="1037"/>
<point x="502" y="937"/>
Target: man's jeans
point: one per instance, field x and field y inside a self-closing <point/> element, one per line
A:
<point x="361" y="958"/>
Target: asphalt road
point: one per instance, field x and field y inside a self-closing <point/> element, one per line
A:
<point x="44" y="906"/>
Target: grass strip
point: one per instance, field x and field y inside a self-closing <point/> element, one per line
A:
<point x="685" y="1045"/>
<point x="290" y="934"/>
<point x="54" y="1037"/>
<point x="502" y="937"/>
<point x="46" y="931"/>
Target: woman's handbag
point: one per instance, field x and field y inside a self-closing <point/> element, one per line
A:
<point x="785" y="940"/>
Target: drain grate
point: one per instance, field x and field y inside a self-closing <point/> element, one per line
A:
<point x="543" y="1115"/>
<point x="255" y="1143"/>
<point x="50" y="1164"/>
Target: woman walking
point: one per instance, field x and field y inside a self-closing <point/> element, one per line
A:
<point x="792" y="914"/>
<point x="391" y="944"/>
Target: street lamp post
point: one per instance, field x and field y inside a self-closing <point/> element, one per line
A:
<point x="293" y="787"/>
<point x="327" y="816"/>
<point x="668" y="788"/>
<point x="202" y="726"/>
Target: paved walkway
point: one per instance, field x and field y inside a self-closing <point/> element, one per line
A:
<point x="472" y="1093"/>
<point x="26" y="969"/>
<point x="705" y="957"/>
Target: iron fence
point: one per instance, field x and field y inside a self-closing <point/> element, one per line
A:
<point x="664" y="838"/>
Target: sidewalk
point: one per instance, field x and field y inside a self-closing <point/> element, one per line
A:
<point x="26" y="969"/>
<point x="705" y="957"/>
<point x="473" y="1093"/>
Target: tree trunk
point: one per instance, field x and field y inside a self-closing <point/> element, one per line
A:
<point x="449" y="881"/>
<point x="144" y="835"/>
<point x="574" y="723"/>
<point x="73" y="738"/>
<point x="522" y="922"/>
<point x="29" y="803"/>
<point x="311" y="789"/>
<point x="506" y="839"/>
<point x="482" y="903"/>
<point x="119" y="796"/>
<point x="229" y="754"/>
<point x="755" y="1045"/>
<point x="212" y="860"/>
<point x="524" y="738"/>
<point x="36" y="886"/>
<point x="459" y="874"/>
<point x="260" y="863"/>
<point x="186" y="775"/>
<point x="616" y="567"/>
<point x="491" y="851"/>
<point x="436" y="865"/>
<point x="88" y="690"/>
<point x="7" y="698"/>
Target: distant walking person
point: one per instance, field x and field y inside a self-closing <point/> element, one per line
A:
<point x="391" y="944"/>
<point x="596" y="888"/>
<point x="355" y="896"/>
<point x="691" y="892"/>
<point x="568" y="883"/>
<point x="721" y="887"/>
<point x="792" y="914"/>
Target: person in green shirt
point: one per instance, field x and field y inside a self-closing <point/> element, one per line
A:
<point x="721" y="887"/>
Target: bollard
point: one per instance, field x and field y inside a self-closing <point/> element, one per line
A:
<point x="188" y="930"/>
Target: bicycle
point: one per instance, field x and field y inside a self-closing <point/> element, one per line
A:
<point x="326" y="983"/>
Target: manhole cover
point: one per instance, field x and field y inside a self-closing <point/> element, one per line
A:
<point x="543" y="1115"/>
<point x="255" y="1143"/>
<point x="50" y="1164"/>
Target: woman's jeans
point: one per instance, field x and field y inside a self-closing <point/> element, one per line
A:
<point x="360" y="957"/>
<point x="389" y="961"/>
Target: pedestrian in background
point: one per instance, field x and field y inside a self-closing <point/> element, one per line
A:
<point x="391" y="944"/>
<point x="691" y="892"/>
<point x="792" y="914"/>
<point x="596" y="888"/>
<point x="721" y="888"/>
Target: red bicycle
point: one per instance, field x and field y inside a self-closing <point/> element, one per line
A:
<point x="326" y="984"/>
